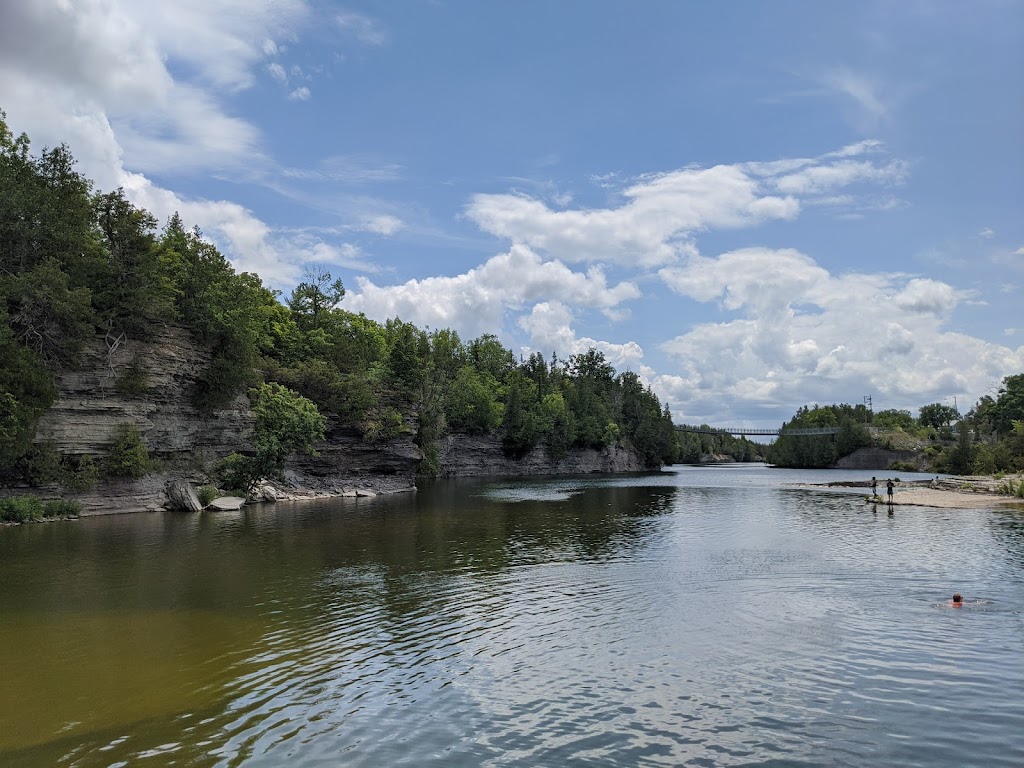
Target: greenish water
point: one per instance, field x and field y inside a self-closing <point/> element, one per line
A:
<point x="694" y="617"/>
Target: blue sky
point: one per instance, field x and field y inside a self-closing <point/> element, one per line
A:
<point x="753" y="205"/>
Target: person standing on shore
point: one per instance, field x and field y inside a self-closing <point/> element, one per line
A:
<point x="888" y="490"/>
<point x="874" y="487"/>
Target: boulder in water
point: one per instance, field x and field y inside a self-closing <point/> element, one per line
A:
<point x="226" y="504"/>
<point x="181" y="496"/>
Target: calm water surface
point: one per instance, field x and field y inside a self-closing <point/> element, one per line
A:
<point x="701" y="616"/>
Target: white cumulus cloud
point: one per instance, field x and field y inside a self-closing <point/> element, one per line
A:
<point x="662" y="213"/>
<point x="801" y="334"/>
<point x="549" y="325"/>
<point x="477" y="301"/>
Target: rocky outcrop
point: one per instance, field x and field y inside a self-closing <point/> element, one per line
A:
<point x="226" y="504"/>
<point x="345" y="465"/>
<point x="186" y="444"/>
<point x="880" y="458"/>
<point x="90" y="407"/>
<point x="468" y="455"/>
<point x="111" y="497"/>
<point x="716" y="458"/>
<point x="182" y="497"/>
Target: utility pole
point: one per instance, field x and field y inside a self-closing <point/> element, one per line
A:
<point x="867" y="404"/>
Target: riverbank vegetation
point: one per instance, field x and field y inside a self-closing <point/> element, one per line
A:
<point x="819" y="451"/>
<point x="988" y="440"/>
<point x="78" y="264"/>
<point x="23" y="509"/>
<point x="699" y="444"/>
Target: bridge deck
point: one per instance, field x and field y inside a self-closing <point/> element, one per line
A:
<point x="751" y="431"/>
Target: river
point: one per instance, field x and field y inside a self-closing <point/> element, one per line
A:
<point x="711" y="616"/>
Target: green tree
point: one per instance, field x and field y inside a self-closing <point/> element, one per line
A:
<point x="589" y="397"/>
<point x="818" y="451"/>
<point x="286" y="423"/>
<point x="233" y="315"/>
<point x="408" y="351"/>
<point x="961" y="458"/>
<point x="646" y="426"/>
<point x="357" y="343"/>
<point x="535" y="368"/>
<point x="850" y="437"/>
<point x="670" y="440"/>
<point x="473" y="405"/>
<point x="47" y="314"/>
<point x="1009" y="405"/>
<point x="313" y="299"/>
<point x="488" y="356"/>
<point x="894" y="419"/>
<point x="26" y="391"/>
<point x="134" y="289"/>
<point x="521" y="427"/>
<point x="937" y="415"/>
<point x="559" y="425"/>
<point x="45" y="210"/>
<point x="128" y="458"/>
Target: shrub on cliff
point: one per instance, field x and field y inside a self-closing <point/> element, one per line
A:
<point x="79" y="473"/>
<point x="42" y="464"/>
<point x="134" y="380"/>
<point x="383" y="424"/>
<point x="128" y="458"/>
<point x="286" y="423"/>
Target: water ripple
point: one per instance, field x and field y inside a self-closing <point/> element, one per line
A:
<point x="581" y="623"/>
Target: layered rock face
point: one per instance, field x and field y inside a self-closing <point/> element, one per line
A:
<point x="89" y="408"/>
<point x="468" y="455"/>
<point x="880" y="458"/>
<point x="346" y="466"/>
<point x="187" y="443"/>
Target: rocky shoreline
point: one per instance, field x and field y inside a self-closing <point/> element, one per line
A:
<point x="186" y="444"/>
<point x="344" y="467"/>
<point x="966" y="492"/>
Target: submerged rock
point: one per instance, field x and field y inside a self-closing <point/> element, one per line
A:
<point x="226" y="504"/>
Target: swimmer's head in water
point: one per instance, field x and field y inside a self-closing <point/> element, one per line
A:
<point x="958" y="598"/>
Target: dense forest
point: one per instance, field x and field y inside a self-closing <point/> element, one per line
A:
<point x="696" y="443"/>
<point x="819" y="451"/>
<point x="989" y="439"/>
<point x="76" y="263"/>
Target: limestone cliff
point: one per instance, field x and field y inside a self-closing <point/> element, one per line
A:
<point x="466" y="455"/>
<point x="90" y="408"/>
<point x="880" y="458"/>
<point x="187" y="443"/>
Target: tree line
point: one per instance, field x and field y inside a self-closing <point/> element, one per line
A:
<point x="989" y="439"/>
<point x="698" y="442"/>
<point x="76" y="263"/>
<point x="819" y="451"/>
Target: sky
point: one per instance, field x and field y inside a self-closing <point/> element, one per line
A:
<point x="754" y="206"/>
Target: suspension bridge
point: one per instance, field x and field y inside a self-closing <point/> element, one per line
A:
<point x="750" y="431"/>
